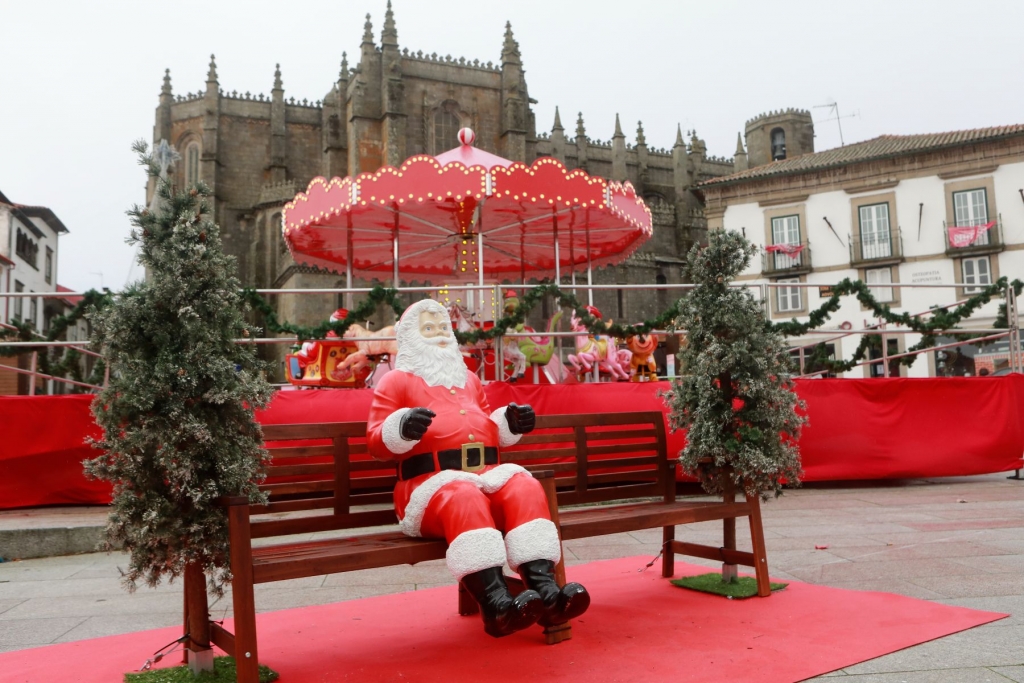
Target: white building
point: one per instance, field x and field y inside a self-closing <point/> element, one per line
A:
<point x="29" y="249"/>
<point x="29" y="237"/>
<point x="943" y="208"/>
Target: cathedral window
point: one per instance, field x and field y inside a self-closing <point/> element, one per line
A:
<point x="446" y="127"/>
<point x="192" y="164"/>
<point x="778" y="144"/>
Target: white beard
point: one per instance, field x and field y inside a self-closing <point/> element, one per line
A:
<point x="436" y="365"/>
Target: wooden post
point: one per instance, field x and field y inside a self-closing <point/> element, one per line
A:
<point x="200" y="654"/>
<point x="728" y="525"/>
<point x="757" y="542"/>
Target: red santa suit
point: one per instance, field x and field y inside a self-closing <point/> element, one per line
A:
<point x="469" y="509"/>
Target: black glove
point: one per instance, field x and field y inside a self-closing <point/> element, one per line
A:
<point x="521" y="419"/>
<point x="415" y="422"/>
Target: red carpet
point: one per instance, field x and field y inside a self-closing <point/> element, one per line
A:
<point x="639" y="628"/>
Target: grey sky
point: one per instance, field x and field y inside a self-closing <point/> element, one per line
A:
<point x="79" y="81"/>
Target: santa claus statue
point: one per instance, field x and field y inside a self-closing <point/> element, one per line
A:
<point x="431" y="416"/>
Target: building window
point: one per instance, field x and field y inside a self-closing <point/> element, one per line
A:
<point x="977" y="273"/>
<point x="49" y="266"/>
<point x="786" y="230"/>
<point x="446" y="127"/>
<point x="892" y="348"/>
<point x="778" y="144"/>
<point x="788" y="298"/>
<point x="32" y="310"/>
<point x="875" y="238"/>
<point x="27" y="249"/>
<point x="806" y="360"/>
<point x="192" y="164"/>
<point x="880" y="276"/>
<point x="970" y="208"/>
<point x="19" y="302"/>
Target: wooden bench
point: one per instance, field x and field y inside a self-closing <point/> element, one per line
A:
<point x="323" y="471"/>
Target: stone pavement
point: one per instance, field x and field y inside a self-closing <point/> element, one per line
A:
<point x="958" y="541"/>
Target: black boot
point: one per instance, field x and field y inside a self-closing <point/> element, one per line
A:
<point x="560" y="604"/>
<point x="502" y="613"/>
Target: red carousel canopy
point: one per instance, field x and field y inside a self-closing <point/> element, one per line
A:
<point x="446" y="217"/>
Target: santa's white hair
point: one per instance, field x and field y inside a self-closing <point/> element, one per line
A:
<point x="436" y="365"/>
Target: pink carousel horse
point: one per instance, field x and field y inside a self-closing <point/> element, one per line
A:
<point x="599" y="349"/>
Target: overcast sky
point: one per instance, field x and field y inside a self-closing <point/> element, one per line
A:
<point x="80" y="80"/>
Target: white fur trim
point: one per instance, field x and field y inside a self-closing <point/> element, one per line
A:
<point x="475" y="550"/>
<point x="391" y="433"/>
<point x="535" y="540"/>
<point x="420" y="498"/>
<point x="505" y="436"/>
<point x="492" y="480"/>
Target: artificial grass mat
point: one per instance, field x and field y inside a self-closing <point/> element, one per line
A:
<point x="737" y="589"/>
<point x="223" y="672"/>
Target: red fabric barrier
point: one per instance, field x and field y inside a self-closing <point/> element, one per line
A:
<point x="858" y="429"/>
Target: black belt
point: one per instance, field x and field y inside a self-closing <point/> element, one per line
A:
<point x="472" y="457"/>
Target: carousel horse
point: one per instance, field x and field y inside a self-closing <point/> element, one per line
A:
<point x="370" y="352"/>
<point x="462" y="321"/>
<point x="537" y="349"/>
<point x="599" y="349"/>
<point x="642" y="365"/>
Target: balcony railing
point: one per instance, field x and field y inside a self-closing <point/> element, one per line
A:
<point x="780" y="263"/>
<point x="871" y="248"/>
<point x="970" y="240"/>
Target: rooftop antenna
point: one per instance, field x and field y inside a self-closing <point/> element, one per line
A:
<point x="833" y="113"/>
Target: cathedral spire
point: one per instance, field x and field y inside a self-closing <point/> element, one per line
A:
<point x="618" y="127"/>
<point x="211" y="77"/>
<point x="390" y="34"/>
<point x="166" y="89"/>
<point x="581" y="132"/>
<point x="640" y="139"/>
<point x="739" y="144"/>
<point x="343" y="74"/>
<point x="510" y="49"/>
<point x="277" y="77"/>
<point x="558" y="121"/>
<point x="679" y="136"/>
<point x="368" y="31"/>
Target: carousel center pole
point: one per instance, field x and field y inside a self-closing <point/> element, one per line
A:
<point x="348" y="266"/>
<point x="394" y="255"/>
<point x="558" y="273"/>
<point x="590" y="296"/>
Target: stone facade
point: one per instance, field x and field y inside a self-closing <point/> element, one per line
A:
<point x="257" y="151"/>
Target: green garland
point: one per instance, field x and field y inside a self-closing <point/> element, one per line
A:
<point x="381" y="295"/>
<point x="59" y="362"/>
<point x="940" y="320"/>
<point x="377" y="296"/>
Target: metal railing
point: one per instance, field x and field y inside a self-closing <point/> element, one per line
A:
<point x="780" y="263"/>
<point x="971" y="240"/>
<point x="870" y="247"/>
<point x="762" y="291"/>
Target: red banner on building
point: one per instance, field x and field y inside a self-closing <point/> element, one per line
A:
<point x="965" y="236"/>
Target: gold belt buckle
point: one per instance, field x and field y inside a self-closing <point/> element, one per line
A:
<point x="468" y="448"/>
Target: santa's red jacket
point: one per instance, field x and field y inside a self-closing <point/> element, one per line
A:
<point x="462" y="417"/>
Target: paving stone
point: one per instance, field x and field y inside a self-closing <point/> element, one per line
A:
<point x="114" y="624"/>
<point x="139" y="603"/>
<point x="983" y="646"/>
<point x="29" y="632"/>
<point x="6" y="605"/>
<point x="972" y="675"/>
<point x="1013" y="673"/>
<point x="973" y="586"/>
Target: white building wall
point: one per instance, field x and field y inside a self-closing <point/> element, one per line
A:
<point x="925" y="259"/>
<point x="31" y="276"/>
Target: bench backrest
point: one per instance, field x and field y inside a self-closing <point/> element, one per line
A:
<point x="324" y="470"/>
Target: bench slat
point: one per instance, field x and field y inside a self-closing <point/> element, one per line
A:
<point x="309" y="525"/>
<point x="296" y="470"/>
<point x="617" y="519"/>
<point x="516" y="456"/>
<point x="644" y="433"/>
<point x="294" y="561"/>
<point x="608" y="449"/>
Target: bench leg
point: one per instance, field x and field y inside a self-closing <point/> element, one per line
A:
<point x="243" y="598"/>
<point x="757" y="542"/>
<point x="668" y="557"/>
<point x="199" y="654"/>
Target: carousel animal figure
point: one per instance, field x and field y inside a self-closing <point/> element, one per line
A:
<point x="464" y="321"/>
<point x="538" y="349"/>
<point x="371" y="351"/>
<point x="599" y="349"/>
<point x="641" y="363"/>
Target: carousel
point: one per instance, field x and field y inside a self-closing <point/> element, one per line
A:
<point x="464" y="222"/>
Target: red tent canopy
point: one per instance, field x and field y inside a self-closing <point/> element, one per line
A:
<point x="436" y="214"/>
